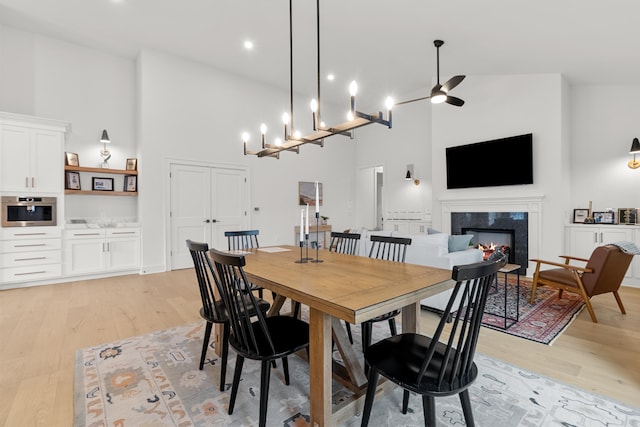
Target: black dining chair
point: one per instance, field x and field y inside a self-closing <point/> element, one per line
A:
<point x="241" y="240"/>
<point x="265" y="339"/>
<point x="389" y="249"/>
<point x="345" y="243"/>
<point x="212" y="310"/>
<point x="427" y="366"/>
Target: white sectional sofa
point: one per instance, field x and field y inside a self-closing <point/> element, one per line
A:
<point x="432" y="250"/>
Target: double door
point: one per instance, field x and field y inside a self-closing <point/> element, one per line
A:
<point x="206" y="201"/>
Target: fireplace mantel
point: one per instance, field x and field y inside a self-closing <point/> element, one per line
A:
<point x="531" y="204"/>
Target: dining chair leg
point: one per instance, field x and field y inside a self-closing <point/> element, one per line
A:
<point x="429" y="410"/>
<point x="285" y="368"/>
<point x="367" y="329"/>
<point x="205" y="343"/>
<point x="225" y="354"/>
<point x="405" y="401"/>
<point x="392" y="326"/>
<point x="236" y="381"/>
<point x="348" y="326"/>
<point x="371" y="394"/>
<point x="265" y="371"/>
<point x="465" y="401"/>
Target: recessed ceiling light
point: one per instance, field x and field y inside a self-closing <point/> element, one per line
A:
<point x="330" y="77"/>
<point x="248" y="44"/>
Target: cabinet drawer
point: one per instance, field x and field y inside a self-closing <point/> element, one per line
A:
<point x="31" y="273"/>
<point x="19" y="259"/>
<point x="91" y="233"/>
<point x="15" y="233"/>
<point x="123" y="232"/>
<point x="30" y="245"/>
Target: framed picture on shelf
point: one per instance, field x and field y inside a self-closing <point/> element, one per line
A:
<point x="101" y="184"/>
<point x="132" y="164"/>
<point x="71" y="159"/>
<point x="628" y="216"/>
<point x="130" y="183"/>
<point x="604" y="217"/>
<point x="579" y="215"/>
<point x="72" y="180"/>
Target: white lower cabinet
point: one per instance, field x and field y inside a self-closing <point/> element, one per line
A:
<point x="95" y="251"/>
<point x="30" y="254"/>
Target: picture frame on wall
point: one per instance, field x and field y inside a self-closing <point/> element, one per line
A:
<point x="132" y="164"/>
<point x="604" y="217"/>
<point x="130" y="183"/>
<point x="628" y="216"/>
<point x="71" y="159"/>
<point x="579" y="215"/>
<point x="101" y="184"/>
<point x="72" y="181"/>
<point x="307" y="193"/>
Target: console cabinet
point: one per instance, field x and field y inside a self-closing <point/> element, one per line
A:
<point x="406" y="226"/>
<point x="30" y="254"/>
<point x="101" y="250"/>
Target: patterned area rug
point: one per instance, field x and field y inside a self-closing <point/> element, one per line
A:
<point x="153" y="380"/>
<point x="543" y="321"/>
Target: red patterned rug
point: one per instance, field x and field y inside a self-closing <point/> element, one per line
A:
<point x="543" y="321"/>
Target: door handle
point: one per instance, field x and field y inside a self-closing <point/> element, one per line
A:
<point x="214" y="220"/>
<point x="207" y="221"/>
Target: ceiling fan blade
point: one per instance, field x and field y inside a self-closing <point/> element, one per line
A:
<point x="452" y="82"/>
<point x="454" y="101"/>
<point x="436" y="88"/>
<point x="412" y="100"/>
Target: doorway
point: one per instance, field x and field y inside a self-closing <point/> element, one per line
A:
<point x="205" y="202"/>
<point x="369" y="197"/>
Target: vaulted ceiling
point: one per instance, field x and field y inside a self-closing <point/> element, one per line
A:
<point x="387" y="46"/>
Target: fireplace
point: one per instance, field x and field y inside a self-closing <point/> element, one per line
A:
<point x="488" y="240"/>
<point x="508" y="230"/>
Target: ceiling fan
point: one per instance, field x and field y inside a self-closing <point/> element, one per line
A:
<point x="440" y="93"/>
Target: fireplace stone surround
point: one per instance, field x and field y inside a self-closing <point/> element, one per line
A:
<point x="529" y="207"/>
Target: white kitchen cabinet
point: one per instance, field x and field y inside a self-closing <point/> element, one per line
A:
<point x="30" y="254"/>
<point x="581" y="240"/>
<point x="101" y="250"/>
<point x="407" y="226"/>
<point x="30" y="153"/>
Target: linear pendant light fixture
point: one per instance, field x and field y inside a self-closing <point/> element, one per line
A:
<point x="293" y="139"/>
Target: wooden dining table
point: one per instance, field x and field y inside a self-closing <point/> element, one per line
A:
<point x="341" y="287"/>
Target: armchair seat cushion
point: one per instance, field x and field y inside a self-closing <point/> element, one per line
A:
<point x="559" y="275"/>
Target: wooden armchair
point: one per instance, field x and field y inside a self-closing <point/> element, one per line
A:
<point x="603" y="273"/>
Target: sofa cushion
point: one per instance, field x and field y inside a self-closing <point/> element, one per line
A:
<point x="459" y="242"/>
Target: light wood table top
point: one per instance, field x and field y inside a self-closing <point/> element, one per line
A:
<point x="347" y="287"/>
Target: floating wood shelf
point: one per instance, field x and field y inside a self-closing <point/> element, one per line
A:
<point x="100" y="170"/>
<point x="101" y="193"/>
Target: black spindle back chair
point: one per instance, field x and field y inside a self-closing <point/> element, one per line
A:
<point x="428" y="366"/>
<point x="241" y="240"/>
<point x="345" y="243"/>
<point x="266" y="339"/>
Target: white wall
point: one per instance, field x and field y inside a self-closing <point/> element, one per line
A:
<point x="605" y="119"/>
<point x="502" y="106"/>
<point x="190" y="111"/>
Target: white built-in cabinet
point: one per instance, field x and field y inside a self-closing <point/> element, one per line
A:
<point x="31" y="150"/>
<point x="29" y="254"/>
<point x="406" y="226"/>
<point x="582" y="239"/>
<point x="101" y="250"/>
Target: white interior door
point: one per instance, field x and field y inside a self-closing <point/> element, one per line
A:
<point x="369" y="197"/>
<point x="205" y="202"/>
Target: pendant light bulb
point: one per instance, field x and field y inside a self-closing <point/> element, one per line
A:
<point x="245" y="137"/>
<point x="388" y="103"/>
<point x="285" y="118"/>
<point x="314" y="105"/>
<point x="353" y="88"/>
<point x="263" y="128"/>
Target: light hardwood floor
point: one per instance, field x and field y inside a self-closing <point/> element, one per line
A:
<point x="42" y="327"/>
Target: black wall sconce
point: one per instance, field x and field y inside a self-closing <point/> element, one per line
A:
<point x="410" y="175"/>
<point x="635" y="149"/>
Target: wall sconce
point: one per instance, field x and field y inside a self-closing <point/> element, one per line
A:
<point x="635" y="149"/>
<point x="105" y="153"/>
<point x="411" y="176"/>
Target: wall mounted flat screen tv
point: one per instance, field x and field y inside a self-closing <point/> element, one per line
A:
<point x="505" y="161"/>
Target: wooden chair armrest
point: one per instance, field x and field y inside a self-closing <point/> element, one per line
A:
<point x="565" y="266"/>
<point x="568" y="257"/>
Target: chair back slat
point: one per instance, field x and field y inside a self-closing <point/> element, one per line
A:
<point x="453" y="359"/>
<point x="241" y="304"/>
<point x="204" y="274"/>
<point x="389" y="248"/>
<point x="240" y="240"/>
<point x="344" y="243"/>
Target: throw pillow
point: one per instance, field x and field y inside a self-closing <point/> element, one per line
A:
<point x="433" y="231"/>
<point x="459" y="242"/>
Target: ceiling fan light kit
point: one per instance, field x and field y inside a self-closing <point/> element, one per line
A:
<point x="440" y="93"/>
